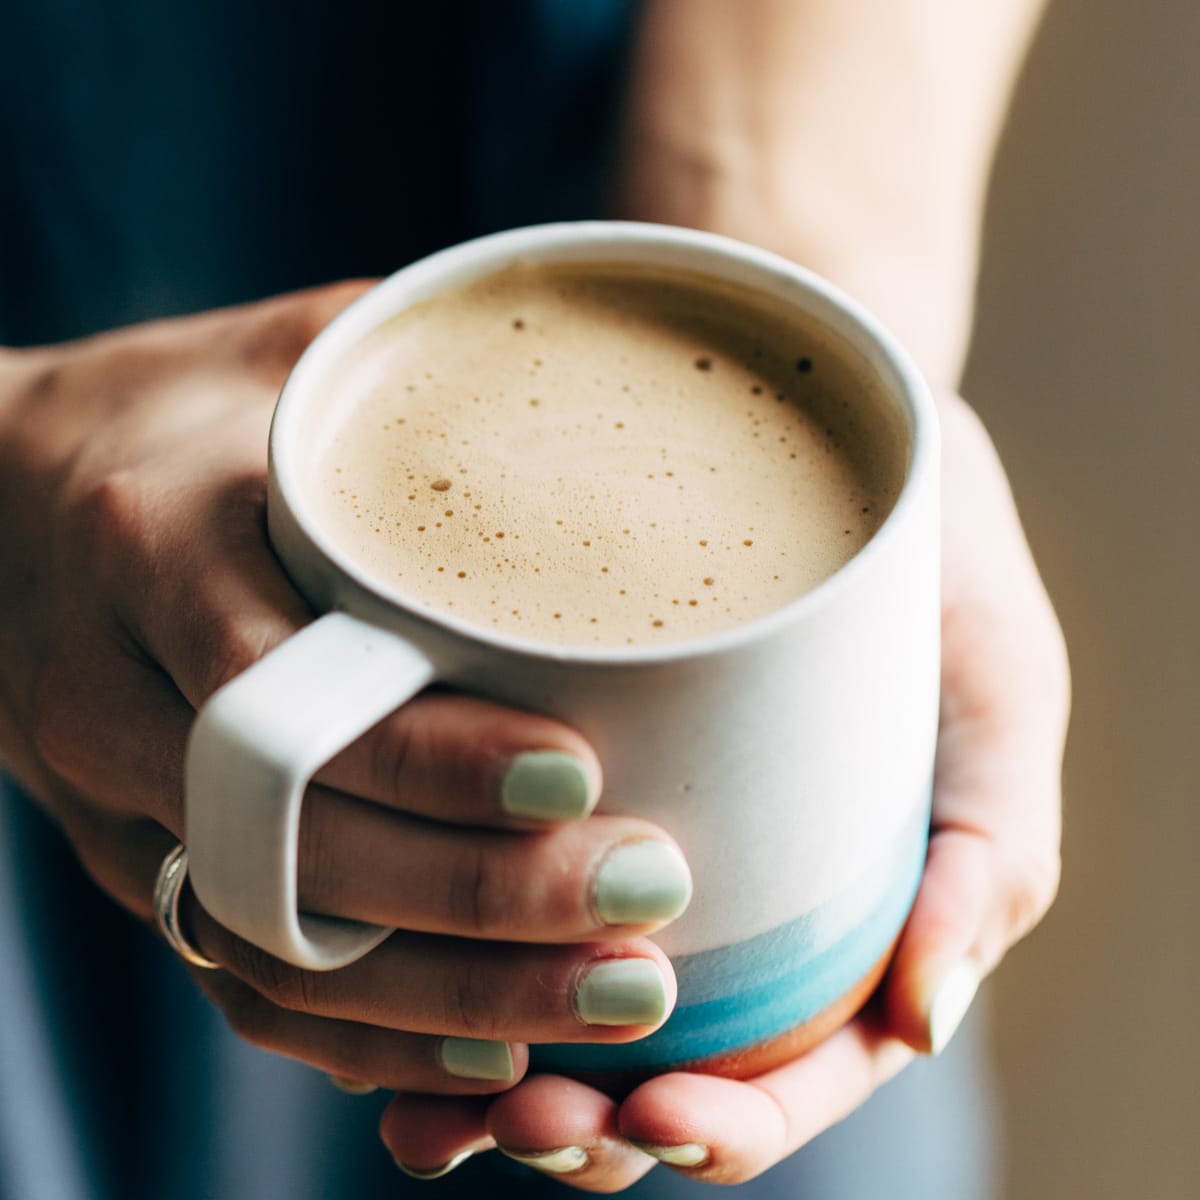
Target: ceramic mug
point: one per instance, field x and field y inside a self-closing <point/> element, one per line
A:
<point x="790" y="756"/>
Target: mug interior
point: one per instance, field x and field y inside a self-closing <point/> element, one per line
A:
<point x="308" y="413"/>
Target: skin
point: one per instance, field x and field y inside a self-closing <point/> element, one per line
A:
<point x="132" y="475"/>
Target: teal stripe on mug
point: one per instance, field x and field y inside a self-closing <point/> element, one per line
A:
<point x="798" y="970"/>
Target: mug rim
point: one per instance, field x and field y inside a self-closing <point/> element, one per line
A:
<point x="719" y="257"/>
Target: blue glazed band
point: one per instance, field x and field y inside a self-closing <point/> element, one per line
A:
<point x="797" y="971"/>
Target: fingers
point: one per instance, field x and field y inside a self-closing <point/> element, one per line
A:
<point x="367" y="1054"/>
<point x="993" y="863"/>
<point x="565" y="885"/>
<point x="718" y="1130"/>
<point x="726" y="1131"/>
<point x="974" y="902"/>
<point x="492" y="991"/>
<point x="991" y="873"/>
<point x="429" y="1136"/>
<point x="557" y="1126"/>
<point x="464" y="760"/>
<point x="568" y="1130"/>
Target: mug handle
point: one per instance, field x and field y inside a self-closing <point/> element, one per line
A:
<point x="254" y="746"/>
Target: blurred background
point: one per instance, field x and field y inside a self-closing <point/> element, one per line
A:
<point x="1086" y="368"/>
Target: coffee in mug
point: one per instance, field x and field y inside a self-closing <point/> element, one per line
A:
<point x="599" y="456"/>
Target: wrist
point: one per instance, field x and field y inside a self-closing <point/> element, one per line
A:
<point x="913" y="264"/>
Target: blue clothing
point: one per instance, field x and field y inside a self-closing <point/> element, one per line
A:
<point x="167" y="158"/>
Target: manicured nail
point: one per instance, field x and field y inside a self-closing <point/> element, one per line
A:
<point x="622" y="991"/>
<point x="435" y="1172"/>
<point x="950" y="1003"/>
<point x="352" y="1087"/>
<point x="473" y="1058"/>
<point x="642" y="881"/>
<point x="547" y="785"/>
<point x="562" y="1161"/>
<point x="687" y="1154"/>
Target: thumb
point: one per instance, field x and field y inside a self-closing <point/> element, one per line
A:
<point x="974" y="902"/>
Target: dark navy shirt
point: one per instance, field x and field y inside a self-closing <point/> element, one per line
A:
<point x="169" y="157"/>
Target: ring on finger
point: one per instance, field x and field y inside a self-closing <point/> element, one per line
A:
<point x="167" y="886"/>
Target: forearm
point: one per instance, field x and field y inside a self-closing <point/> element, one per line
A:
<point x="853" y="136"/>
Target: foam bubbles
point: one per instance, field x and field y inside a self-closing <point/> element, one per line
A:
<point x="666" y="449"/>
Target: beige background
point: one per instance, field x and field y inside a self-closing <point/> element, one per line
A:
<point x="1086" y="367"/>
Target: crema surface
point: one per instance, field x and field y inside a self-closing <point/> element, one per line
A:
<point x="604" y="456"/>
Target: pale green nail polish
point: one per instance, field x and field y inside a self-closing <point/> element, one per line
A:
<point x="546" y="785"/>
<point x="622" y="991"/>
<point x="950" y="1003"/>
<point x="352" y="1087"/>
<point x="473" y="1058"/>
<point x="562" y="1161"/>
<point x="687" y="1154"/>
<point x="640" y="882"/>
<point x="435" y="1172"/>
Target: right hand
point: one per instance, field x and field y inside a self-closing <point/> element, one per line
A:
<point x="138" y="579"/>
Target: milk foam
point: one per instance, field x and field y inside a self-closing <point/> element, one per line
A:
<point x="604" y="456"/>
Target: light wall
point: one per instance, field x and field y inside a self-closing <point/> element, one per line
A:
<point x="1087" y="369"/>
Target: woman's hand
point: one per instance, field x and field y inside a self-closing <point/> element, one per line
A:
<point x="991" y="873"/>
<point x="138" y="579"/>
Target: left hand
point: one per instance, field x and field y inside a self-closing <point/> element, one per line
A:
<point x="991" y="873"/>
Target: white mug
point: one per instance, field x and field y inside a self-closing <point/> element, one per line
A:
<point x="791" y="756"/>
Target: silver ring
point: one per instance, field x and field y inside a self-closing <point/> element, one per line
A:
<point x="171" y="877"/>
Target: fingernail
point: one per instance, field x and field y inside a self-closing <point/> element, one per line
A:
<point x="547" y="785"/>
<point x="562" y="1161"/>
<point x="473" y="1058"/>
<point x="950" y="1003"/>
<point x="622" y="991"/>
<point x="687" y="1154"/>
<point x="642" y="881"/>
<point x="352" y="1087"/>
<point x="435" y="1172"/>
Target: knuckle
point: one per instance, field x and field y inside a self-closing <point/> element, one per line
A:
<point x="281" y="983"/>
<point x="469" y="1002"/>
<point x="46" y="382"/>
<point x="111" y="517"/>
<point x="391" y="755"/>
<point x="231" y="647"/>
<point x="318" y="873"/>
<point x="482" y="896"/>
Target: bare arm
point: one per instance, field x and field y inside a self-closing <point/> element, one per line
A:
<point x="855" y="137"/>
